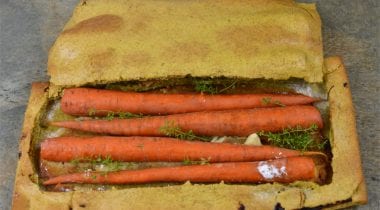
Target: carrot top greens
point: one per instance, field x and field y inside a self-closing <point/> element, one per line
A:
<point x="296" y="138"/>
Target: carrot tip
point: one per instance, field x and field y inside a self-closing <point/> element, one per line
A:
<point x="318" y="154"/>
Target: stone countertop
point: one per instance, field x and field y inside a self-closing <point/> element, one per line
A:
<point x="28" y="29"/>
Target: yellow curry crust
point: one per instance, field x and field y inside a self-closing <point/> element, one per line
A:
<point x="347" y="187"/>
<point x="27" y="194"/>
<point x="108" y="41"/>
<point x="348" y="180"/>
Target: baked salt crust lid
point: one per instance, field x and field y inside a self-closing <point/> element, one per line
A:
<point x="120" y="40"/>
<point x="347" y="187"/>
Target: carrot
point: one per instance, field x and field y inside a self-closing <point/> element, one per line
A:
<point x="142" y="149"/>
<point x="213" y="123"/>
<point x="82" y="101"/>
<point x="282" y="170"/>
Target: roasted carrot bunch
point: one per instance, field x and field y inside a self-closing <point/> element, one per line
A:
<point x="201" y="115"/>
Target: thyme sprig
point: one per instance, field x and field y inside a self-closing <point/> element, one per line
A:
<point x="208" y="86"/>
<point x="106" y="161"/>
<point x="113" y="115"/>
<point x="91" y="112"/>
<point x="268" y="101"/>
<point x="202" y="161"/>
<point x="205" y="86"/>
<point x="297" y="138"/>
<point x="111" y="164"/>
<point x="172" y="129"/>
<point x="122" y="115"/>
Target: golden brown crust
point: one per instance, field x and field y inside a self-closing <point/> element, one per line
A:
<point x="346" y="189"/>
<point x="109" y="41"/>
<point x="27" y="194"/>
<point x="348" y="180"/>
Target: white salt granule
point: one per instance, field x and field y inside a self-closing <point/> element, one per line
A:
<point x="269" y="171"/>
<point x="51" y="112"/>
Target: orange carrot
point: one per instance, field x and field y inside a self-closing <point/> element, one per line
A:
<point x="215" y="123"/>
<point x="81" y="101"/>
<point x="142" y="149"/>
<point x="282" y="170"/>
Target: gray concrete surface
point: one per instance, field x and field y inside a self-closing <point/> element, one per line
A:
<point x="29" y="27"/>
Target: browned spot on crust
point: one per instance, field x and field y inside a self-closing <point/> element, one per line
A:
<point x="138" y="23"/>
<point x="101" y="23"/>
<point x="23" y="136"/>
<point x="187" y="51"/>
<point x="256" y="5"/>
<point x="253" y="3"/>
<point x="245" y="41"/>
<point x="102" y="60"/>
<point x="136" y="59"/>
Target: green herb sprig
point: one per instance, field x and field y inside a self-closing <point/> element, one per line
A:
<point x="231" y="86"/>
<point x="202" y="161"/>
<point x="268" y="101"/>
<point x="122" y="115"/>
<point x="296" y="138"/>
<point x="107" y="161"/>
<point x="204" y="86"/>
<point x="172" y="129"/>
<point x="75" y="162"/>
<point x="114" y="115"/>
<point x="111" y="165"/>
<point x="208" y="86"/>
<point x="91" y="112"/>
